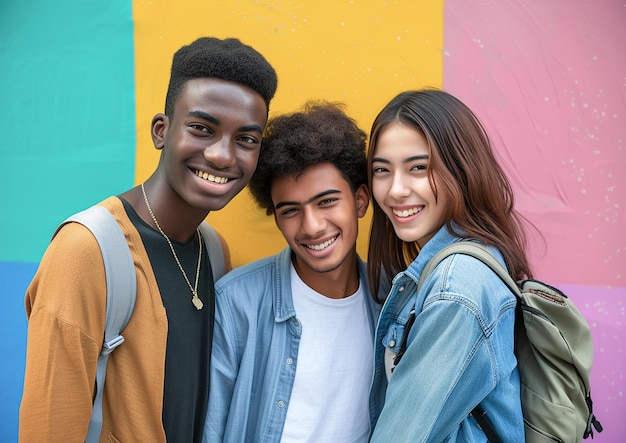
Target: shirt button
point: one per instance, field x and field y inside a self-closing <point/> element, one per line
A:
<point x="289" y="361"/>
<point x="392" y="343"/>
<point x="295" y="323"/>
<point x="281" y="404"/>
<point x="401" y="288"/>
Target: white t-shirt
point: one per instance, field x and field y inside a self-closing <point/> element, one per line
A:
<point x="330" y="397"/>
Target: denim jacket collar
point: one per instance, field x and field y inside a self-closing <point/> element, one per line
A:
<point x="406" y="282"/>
<point x="441" y="239"/>
<point x="283" y="298"/>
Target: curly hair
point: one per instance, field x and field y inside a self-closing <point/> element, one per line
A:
<point x="227" y="59"/>
<point x="320" y="133"/>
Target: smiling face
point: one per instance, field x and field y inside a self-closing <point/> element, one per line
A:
<point x="401" y="185"/>
<point x="317" y="214"/>
<point x="211" y="142"/>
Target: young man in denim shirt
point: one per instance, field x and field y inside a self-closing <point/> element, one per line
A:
<point x="293" y="340"/>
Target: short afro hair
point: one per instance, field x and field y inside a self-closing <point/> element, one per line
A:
<point x="227" y="59"/>
<point x="320" y="133"/>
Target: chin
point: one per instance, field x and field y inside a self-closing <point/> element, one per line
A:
<point x="211" y="205"/>
<point x="406" y="237"/>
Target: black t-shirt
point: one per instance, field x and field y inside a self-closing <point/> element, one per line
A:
<point x="190" y="331"/>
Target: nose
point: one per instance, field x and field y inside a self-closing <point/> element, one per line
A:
<point x="313" y="222"/>
<point x="220" y="153"/>
<point x="398" y="188"/>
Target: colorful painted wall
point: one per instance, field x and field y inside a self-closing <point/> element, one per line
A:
<point x="81" y="79"/>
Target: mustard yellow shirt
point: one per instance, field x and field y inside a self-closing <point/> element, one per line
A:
<point x="65" y="306"/>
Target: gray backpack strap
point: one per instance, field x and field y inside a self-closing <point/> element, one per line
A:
<point x="214" y="246"/>
<point x="121" y="287"/>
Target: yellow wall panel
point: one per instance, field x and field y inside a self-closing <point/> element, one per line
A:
<point x="360" y="53"/>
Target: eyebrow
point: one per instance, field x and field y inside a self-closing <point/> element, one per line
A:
<point x="215" y="121"/>
<point x="406" y="160"/>
<point x="312" y="199"/>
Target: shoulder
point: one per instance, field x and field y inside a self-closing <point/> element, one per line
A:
<point x="70" y="275"/>
<point x="74" y="246"/>
<point x="466" y="279"/>
<point x="72" y="241"/>
<point x="251" y="276"/>
<point x="247" y="293"/>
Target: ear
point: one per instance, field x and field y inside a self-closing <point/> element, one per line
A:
<point x="160" y="123"/>
<point x="362" y="200"/>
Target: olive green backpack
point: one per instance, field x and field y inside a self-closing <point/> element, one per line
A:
<point x="554" y="354"/>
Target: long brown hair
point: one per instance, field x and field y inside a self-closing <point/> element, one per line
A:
<point x="461" y="158"/>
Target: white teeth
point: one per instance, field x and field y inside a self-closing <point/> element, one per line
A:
<point x="322" y="246"/>
<point x="211" y="177"/>
<point x="407" y="212"/>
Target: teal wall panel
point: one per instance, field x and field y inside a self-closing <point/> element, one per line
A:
<point x="68" y="115"/>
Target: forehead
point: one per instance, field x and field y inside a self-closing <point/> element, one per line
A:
<point x="399" y="139"/>
<point x="314" y="181"/>
<point x="221" y="96"/>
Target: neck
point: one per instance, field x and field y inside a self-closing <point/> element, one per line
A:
<point x="341" y="282"/>
<point x="177" y="218"/>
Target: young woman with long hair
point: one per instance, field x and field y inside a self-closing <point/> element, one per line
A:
<point x="434" y="180"/>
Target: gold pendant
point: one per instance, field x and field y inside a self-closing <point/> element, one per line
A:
<point x="197" y="302"/>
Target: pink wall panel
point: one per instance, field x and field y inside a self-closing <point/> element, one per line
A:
<point x="548" y="80"/>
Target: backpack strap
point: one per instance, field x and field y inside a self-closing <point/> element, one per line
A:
<point x="480" y="415"/>
<point x="214" y="246"/>
<point x="121" y="287"/>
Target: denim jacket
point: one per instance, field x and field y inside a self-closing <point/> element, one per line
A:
<point x="459" y="353"/>
<point x="255" y="351"/>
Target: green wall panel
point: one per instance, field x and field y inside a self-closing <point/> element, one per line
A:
<point x="68" y="114"/>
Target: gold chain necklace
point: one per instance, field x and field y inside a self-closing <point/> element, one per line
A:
<point x="194" y="289"/>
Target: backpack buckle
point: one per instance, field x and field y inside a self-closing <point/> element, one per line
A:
<point x="109" y="345"/>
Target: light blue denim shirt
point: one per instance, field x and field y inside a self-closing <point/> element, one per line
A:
<point x="459" y="353"/>
<point x="255" y="351"/>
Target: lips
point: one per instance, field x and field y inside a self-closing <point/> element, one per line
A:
<point x="210" y="177"/>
